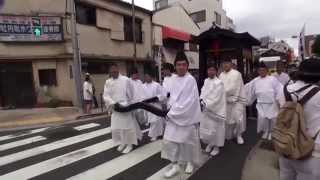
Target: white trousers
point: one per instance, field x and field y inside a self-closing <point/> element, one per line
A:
<point x="308" y="169"/>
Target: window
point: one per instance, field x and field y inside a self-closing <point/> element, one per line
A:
<point x="161" y="4"/>
<point x="95" y="67"/>
<point x="128" y="29"/>
<point x="199" y="16"/>
<point x="47" y="77"/>
<point x="218" y="18"/>
<point x="86" y="14"/>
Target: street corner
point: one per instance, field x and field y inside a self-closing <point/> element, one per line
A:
<point x="261" y="163"/>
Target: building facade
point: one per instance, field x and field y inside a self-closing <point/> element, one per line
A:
<point x="36" y="51"/>
<point x="203" y="12"/>
<point x="175" y="34"/>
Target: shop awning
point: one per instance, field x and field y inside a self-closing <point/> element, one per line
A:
<point x="170" y="33"/>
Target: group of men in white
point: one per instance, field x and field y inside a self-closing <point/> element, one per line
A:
<point x="216" y="115"/>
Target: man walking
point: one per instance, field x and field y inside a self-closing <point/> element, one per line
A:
<point x="268" y="92"/>
<point x="181" y="137"/>
<point x="153" y="89"/>
<point x="124" y="128"/>
<point x="280" y="74"/>
<point x="235" y="94"/>
<point x="214" y="107"/>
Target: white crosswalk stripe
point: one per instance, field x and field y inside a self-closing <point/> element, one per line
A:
<point x="22" y="134"/>
<point x="52" y="146"/>
<point x="55" y="158"/>
<point x="60" y="161"/>
<point x="21" y="142"/>
<point x="86" y="126"/>
<point x="120" y="164"/>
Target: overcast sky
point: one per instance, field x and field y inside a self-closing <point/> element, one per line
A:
<point x="280" y="19"/>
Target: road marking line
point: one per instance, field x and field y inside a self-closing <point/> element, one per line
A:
<point x="21" y="142"/>
<point x="52" y="146"/>
<point x="120" y="164"/>
<point x="21" y="135"/>
<point x="86" y="126"/>
<point x="60" y="161"/>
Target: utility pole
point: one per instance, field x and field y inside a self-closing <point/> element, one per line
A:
<point x="76" y="55"/>
<point x="134" y="33"/>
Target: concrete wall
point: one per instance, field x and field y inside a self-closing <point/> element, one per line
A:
<point x="65" y="85"/>
<point x="102" y="40"/>
<point x="211" y="6"/>
<point x="35" y="7"/>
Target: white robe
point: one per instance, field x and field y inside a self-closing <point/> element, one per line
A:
<point x="235" y="94"/>
<point x="212" y="124"/>
<point x="138" y="96"/>
<point x="154" y="89"/>
<point x="124" y="128"/>
<point x="268" y="93"/>
<point x="181" y="136"/>
<point x="283" y="77"/>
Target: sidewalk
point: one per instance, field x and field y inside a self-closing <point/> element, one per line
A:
<point x="40" y="116"/>
<point x="261" y="163"/>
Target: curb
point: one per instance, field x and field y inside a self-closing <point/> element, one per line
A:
<point x="78" y="119"/>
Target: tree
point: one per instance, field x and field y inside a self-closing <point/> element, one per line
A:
<point x="316" y="46"/>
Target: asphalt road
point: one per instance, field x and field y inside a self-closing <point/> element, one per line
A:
<point x="84" y="150"/>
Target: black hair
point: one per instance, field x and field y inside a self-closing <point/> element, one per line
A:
<point x="212" y="65"/>
<point x="168" y="66"/>
<point x="133" y="70"/>
<point x="181" y="56"/>
<point x="114" y="65"/>
<point x="309" y="71"/>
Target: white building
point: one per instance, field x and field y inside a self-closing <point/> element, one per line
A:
<point x="203" y="12"/>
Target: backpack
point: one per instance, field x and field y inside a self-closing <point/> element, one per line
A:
<point x="289" y="136"/>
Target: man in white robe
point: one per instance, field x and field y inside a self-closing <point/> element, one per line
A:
<point x="283" y="77"/>
<point x="168" y="71"/>
<point x="153" y="89"/>
<point x="138" y="95"/>
<point x="267" y="90"/>
<point x="181" y="144"/>
<point x="214" y="106"/>
<point x="235" y="94"/>
<point x="124" y="128"/>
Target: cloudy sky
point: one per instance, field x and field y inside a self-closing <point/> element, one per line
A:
<point x="280" y="19"/>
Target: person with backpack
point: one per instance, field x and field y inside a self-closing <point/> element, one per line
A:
<point x="267" y="90"/>
<point x="296" y="134"/>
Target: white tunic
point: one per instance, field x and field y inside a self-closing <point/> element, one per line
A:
<point x="311" y="113"/>
<point x="235" y="94"/>
<point x="124" y="128"/>
<point x="283" y="77"/>
<point x="87" y="86"/>
<point x="138" y="90"/>
<point x="138" y="96"/>
<point x="268" y="92"/>
<point x="151" y="90"/>
<point x="212" y="124"/>
<point x="181" y="136"/>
